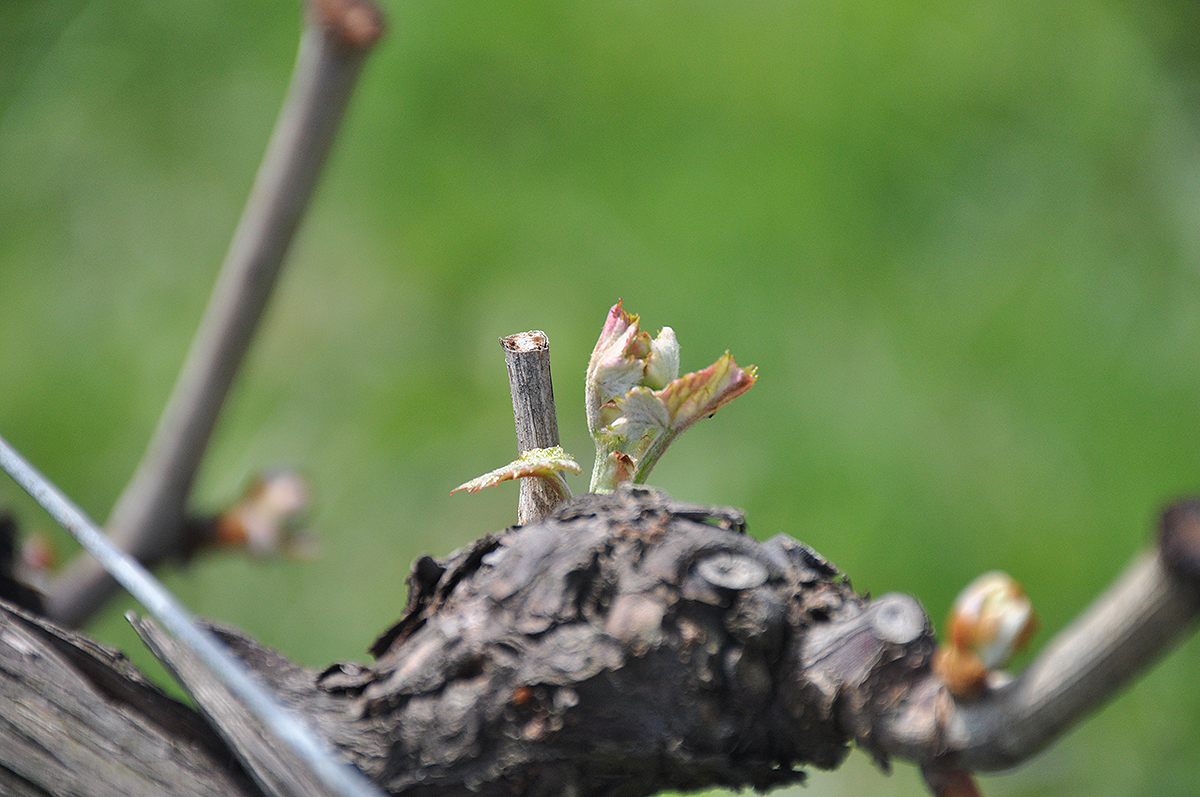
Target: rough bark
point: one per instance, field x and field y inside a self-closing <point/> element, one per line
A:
<point x="625" y="645"/>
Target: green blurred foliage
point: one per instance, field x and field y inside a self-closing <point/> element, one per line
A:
<point x="961" y="241"/>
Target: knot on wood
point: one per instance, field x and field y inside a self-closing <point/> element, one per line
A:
<point x="625" y="641"/>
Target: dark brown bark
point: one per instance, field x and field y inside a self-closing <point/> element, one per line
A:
<point x="625" y="645"/>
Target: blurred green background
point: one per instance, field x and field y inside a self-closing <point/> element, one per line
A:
<point x="961" y="241"/>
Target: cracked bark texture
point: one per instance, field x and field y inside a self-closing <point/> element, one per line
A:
<point x="625" y="645"/>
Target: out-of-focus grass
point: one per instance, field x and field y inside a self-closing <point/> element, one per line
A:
<point x="960" y="241"/>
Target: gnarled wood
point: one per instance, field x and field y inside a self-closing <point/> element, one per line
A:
<point x="625" y="645"/>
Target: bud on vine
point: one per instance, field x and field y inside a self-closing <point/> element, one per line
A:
<point x="991" y="620"/>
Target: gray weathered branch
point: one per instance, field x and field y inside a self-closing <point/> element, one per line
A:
<point x="76" y="718"/>
<point x="147" y="519"/>
<point x="527" y="355"/>
<point x="1134" y="623"/>
<point x="276" y="768"/>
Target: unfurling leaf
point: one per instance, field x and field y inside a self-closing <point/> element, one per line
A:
<point x="625" y="357"/>
<point x="636" y="402"/>
<point x="637" y="412"/>
<point x="697" y="395"/>
<point x="542" y="463"/>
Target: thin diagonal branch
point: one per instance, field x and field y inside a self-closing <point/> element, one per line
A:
<point x="1141" y="617"/>
<point x="320" y="773"/>
<point x="146" y="520"/>
<point x="1128" y="628"/>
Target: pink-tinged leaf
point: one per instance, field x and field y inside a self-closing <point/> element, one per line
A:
<point x="624" y="358"/>
<point x="610" y="372"/>
<point x="614" y="360"/>
<point x="542" y="463"/>
<point x="616" y="372"/>
<point x="614" y="327"/>
<point x="701" y="393"/>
